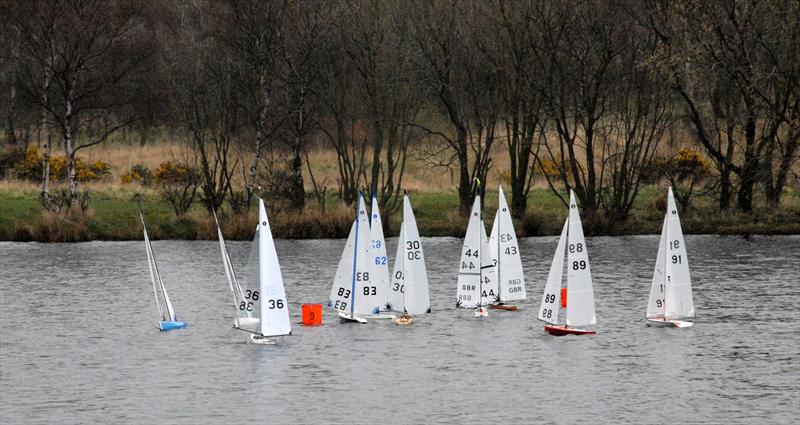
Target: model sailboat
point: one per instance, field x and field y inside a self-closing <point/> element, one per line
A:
<point x="671" y="290"/>
<point x="378" y="255"/>
<point x="166" y="311"/>
<point x="409" y="291"/>
<point x="505" y="254"/>
<point x="579" y="300"/>
<point x="261" y="307"/>
<point x="354" y="293"/>
<point x="476" y="284"/>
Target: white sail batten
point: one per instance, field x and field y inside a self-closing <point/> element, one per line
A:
<point x="469" y="271"/>
<point x="367" y="299"/>
<point x="678" y="284"/>
<point x="273" y="305"/>
<point x="580" y="294"/>
<point x="655" y="304"/>
<point x="504" y="247"/>
<point x="396" y="297"/>
<point x="551" y="299"/>
<point x="488" y="282"/>
<point x="379" y="258"/>
<point x="415" y="276"/>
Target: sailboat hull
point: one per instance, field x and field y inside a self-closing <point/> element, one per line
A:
<point x="564" y="330"/>
<point x="261" y="340"/>
<point x="347" y="318"/>
<point x="170" y="325"/>
<point x="505" y="307"/>
<point x="661" y="322"/>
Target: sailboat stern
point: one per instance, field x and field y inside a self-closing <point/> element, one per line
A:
<point x="168" y="325"/>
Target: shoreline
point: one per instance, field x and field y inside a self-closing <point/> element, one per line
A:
<point x="113" y="217"/>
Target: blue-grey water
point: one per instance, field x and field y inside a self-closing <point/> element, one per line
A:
<point x="79" y="343"/>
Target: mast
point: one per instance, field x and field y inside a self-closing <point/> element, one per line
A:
<point x="405" y="263"/>
<point x="355" y="261"/>
<point x="666" y="254"/>
<point x="499" y="255"/>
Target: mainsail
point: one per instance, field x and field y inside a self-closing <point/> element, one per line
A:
<point x="678" y="283"/>
<point x="274" y="308"/>
<point x="504" y="248"/>
<point x="580" y="294"/>
<point x="415" y="277"/>
<point x="159" y="290"/>
<point x="469" y="271"/>
<point x="378" y="256"/>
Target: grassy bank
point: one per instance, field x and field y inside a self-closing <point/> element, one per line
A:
<point x="112" y="216"/>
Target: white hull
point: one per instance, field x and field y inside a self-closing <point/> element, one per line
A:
<point x="347" y="318"/>
<point x="481" y="312"/>
<point x="261" y="340"/>
<point x="660" y="322"/>
<point x="379" y="316"/>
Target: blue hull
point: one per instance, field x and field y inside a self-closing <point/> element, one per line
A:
<point x="168" y="326"/>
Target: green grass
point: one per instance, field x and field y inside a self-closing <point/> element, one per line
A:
<point x="113" y="216"/>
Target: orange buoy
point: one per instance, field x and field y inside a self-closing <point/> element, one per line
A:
<point x="312" y="314"/>
<point x="563" y="297"/>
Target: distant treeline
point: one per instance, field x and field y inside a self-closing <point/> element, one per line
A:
<point x="588" y="95"/>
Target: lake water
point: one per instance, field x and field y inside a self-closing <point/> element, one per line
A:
<point x="79" y="343"/>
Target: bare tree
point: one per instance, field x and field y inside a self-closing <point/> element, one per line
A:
<point x="85" y="52"/>
<point x="450" y="66"/>
<point x="734" y="65"/>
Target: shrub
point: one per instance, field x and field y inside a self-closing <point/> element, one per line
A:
<point x="138" y="174"/>
<point x="178" y="183"/>
<point x="91" y="172"/>
<point x="684" y="170"/>
<point x="29" y="166"/>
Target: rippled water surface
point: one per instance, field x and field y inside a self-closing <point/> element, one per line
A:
<point x="79" y="343"/>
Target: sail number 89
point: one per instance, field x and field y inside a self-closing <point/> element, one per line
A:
<point x="575" y="247"/>
<point x="578" y="265"/>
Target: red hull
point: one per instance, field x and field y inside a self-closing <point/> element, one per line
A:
<point x="563" y="330"/>
<point x="503" y="307"/>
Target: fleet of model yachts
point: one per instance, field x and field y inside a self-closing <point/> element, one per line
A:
<point x="490" y="276"/>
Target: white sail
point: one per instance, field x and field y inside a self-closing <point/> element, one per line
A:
<point x="367" y="298"/>
<point x="505" y="251"/>
<point x="230" y="274"/>
<point x="580" y="295"/>
<point x="415" y="276"/>
<point x="159" y="289"/>
<point x="655" y="304"/>
<point x="488" y="283"/>
<point x="343" y="283"/>
<point x="397" y="290"/>
<point x="248" y="307"/>
<point x="274" y="308"/>
<point x="379" y="259"/>
<point x="551" y="299"/>
<point x="469" y="271"/>
<point x="678" y="290"/>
